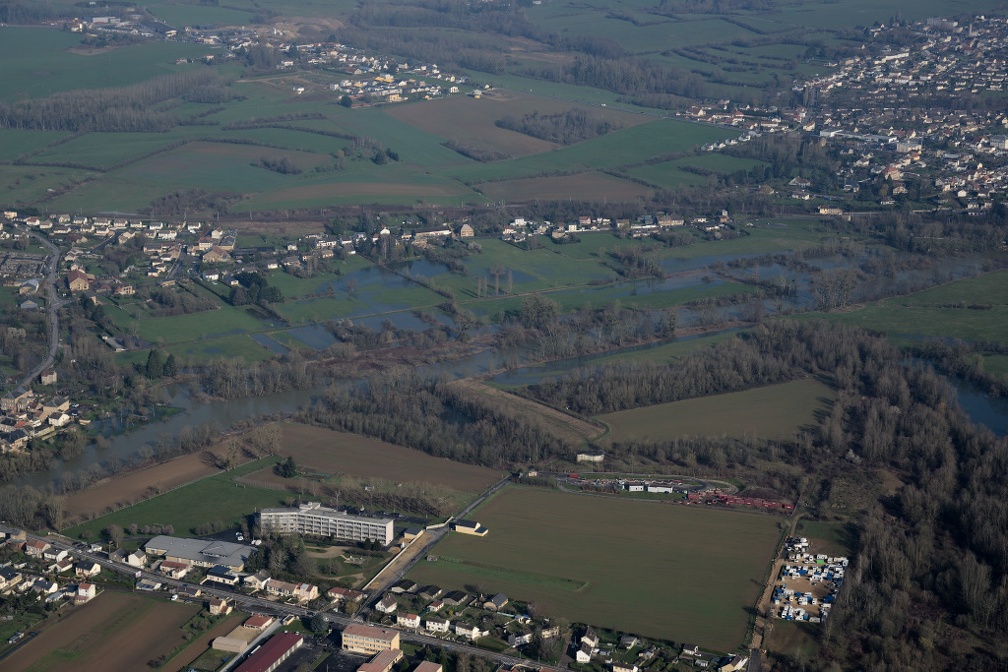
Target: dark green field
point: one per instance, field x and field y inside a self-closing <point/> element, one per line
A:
<point x="668" y="571"/>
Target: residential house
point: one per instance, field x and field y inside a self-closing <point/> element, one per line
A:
<point x="628" y="641"/>
<point x="583" y="654"/>
<point x="258" y="622"/>
<point x="408" y="620"/>
<point x="54" y="554"/>
<point x="466" y="231"/>
<point x="221" y="574"/>
<point x="137" y="559"/>
<point x="86" y="569"/>
<point x="496" y="602"/>
<point x="302" y="592"/>
<point x="9" y="577"/>
<point x="339" y="594"/>
<point x="590" y="638"/>
<point x="173" y="569"/>
<point x="85" y="592"/>
<point x="457" y="598"/>
<point x="34" y="548"/>
<point x="469" y="527"/>
<point x="404" y="586"/>
<point x="624" y="667"/>
<point x="435" y="624"/>
<point x="60" y="566"/>
<point x="219" y="607"/>
<point x="257" y="581"/>
<point x="79" y="281"/>
<point x="387" y="605"/>
<point x="430" y="592"/>
<point x="45" y="587"/>
<point x="468" y="630"/>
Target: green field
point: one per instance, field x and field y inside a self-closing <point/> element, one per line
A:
<point x="772" y="412"/>
<point x="973" y="309"/>
<point x="216" y="497"/>
<point x="671" y="572"/>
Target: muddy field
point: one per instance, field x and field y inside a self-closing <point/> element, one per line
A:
<point x="116" y="631"/>
<point x="340" y="453"/>
<point x="114" y="493"/>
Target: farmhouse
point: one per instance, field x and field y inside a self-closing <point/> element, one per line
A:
<point x="382" y="662"/>
<point x="367" y="639"/>
<point x="316" y="520"/>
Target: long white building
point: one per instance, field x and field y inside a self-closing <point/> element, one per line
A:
<point x="320" y="521"/>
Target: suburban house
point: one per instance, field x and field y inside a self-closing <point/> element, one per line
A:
<point x="435" y="624"/>
<point x="590" y="638"/>
<point x="9" y="578"/>
<point x="404" y="586"/>
<point x="627" y="641"/>
<point x="387" y="605"/>
<point x="624" y="667"/>
<point x="79" y="281"/>
<point x="136" y="559"/>
<point x="339" y="594"/>
<point x="219" y="607"/>
<point x="174" y="570"/>
<point x="408" y="621"/>
<point x="55" y="554"/>
<point x="221" y="574"/>
<point x="361" y="638"/>
<point x="468" y="630"/>
<point x="496" y="602"/>
<point x="457" y="598"/>
<point x="302" y="592"/>
<point x="258" y="622"/>
<point x="583" y="654"/>
<point x="466" y="231"/>
<point x="431" y="592"/>
<point x="256" y="581"/>
<point x="35" y="548"/>
<point x="85" y="592"/>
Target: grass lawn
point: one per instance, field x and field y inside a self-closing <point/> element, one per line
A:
<point x="226" y="321"/>
<point x="672" y="572"/>
<point x="216" y="497"/>
<point x="774" y="412"/>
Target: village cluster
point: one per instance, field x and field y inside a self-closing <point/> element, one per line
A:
<point x="25" y="415"/>
<point x="366" y="77"/>
<point x="895" y="112"/>
<point x="808" y="583"/>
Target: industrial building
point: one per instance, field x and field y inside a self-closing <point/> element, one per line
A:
<point x="319" y="521"/>
<point x="269" y="656"/>
<point x="200" y="552"/>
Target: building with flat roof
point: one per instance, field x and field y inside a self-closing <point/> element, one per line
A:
<point x="320" y="521"/>
<point x="276" y="650"/>
<point x="368" y="639"/>
<point x="200" y="552"/>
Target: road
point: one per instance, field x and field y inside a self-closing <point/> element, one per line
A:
<point x="52" y="310"/>
<point x="431" y="536"/>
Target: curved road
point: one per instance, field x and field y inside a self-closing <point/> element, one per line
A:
<point x="52" y="310"/>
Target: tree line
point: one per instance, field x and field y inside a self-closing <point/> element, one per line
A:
<point x="123" y="109"/>
<point x="564" y="128"/>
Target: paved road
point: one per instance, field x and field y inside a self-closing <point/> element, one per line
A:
<point x="55" y="303"/>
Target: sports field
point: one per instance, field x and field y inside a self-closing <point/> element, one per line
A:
<point x="771" y="412"/>
<point x="115" y="631"/>
<point x="673" y="572"/>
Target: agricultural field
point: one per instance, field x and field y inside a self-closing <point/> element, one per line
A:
<point x="973" y="309"/>
<point x="187" y="507"/>
<point x="586" y="186"/>
<point x="672" y="572"/>
<point x="340" y="453"/>
<point x="772" y="412"/>
<point x="115" y="631"/>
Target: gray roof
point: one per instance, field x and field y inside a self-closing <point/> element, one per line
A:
<point x="210" y="552"/>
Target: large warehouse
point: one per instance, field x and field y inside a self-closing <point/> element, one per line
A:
<point x="317" y="520"/>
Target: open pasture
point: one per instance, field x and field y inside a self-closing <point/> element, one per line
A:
<point x="337" y="453"/>
<point x="15" y="142"/>
<point x="672" y="572"/>
<point x="771" y="412"/>
<point x="41" y="61"/>
<point x="115" y="631"/>
<point x="971" y="309"/>
<point x="587" y="186"/>
<point x="30" y="185"/>
<point x="626" y="146"/>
